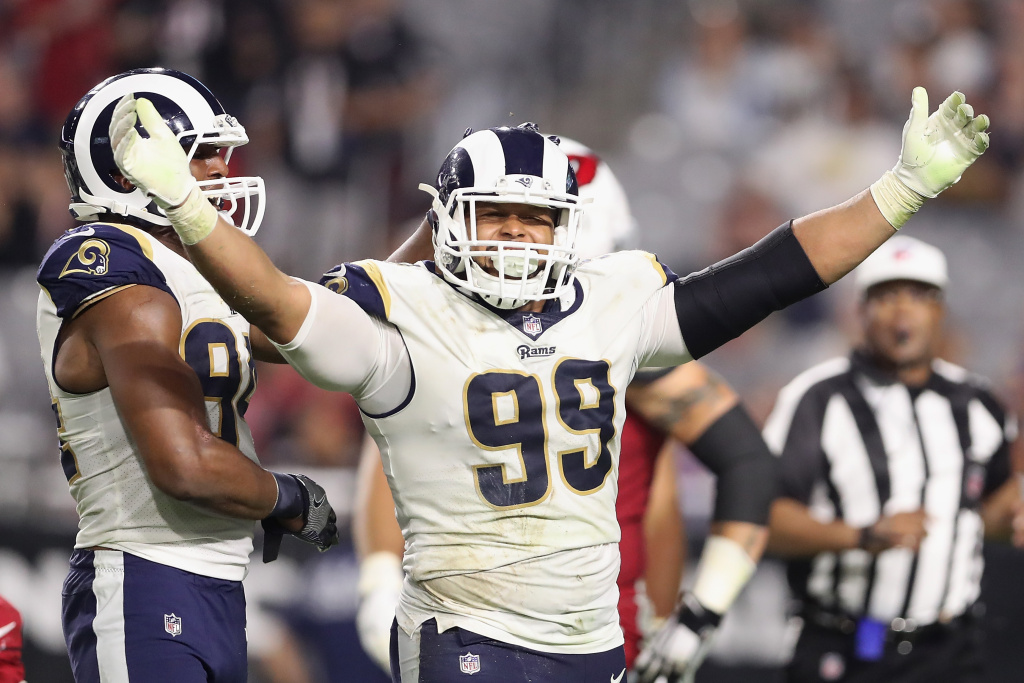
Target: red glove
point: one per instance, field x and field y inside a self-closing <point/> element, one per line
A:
<point x="11" y="668"/>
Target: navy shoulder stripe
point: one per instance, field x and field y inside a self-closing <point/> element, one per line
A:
<point x="91" y="259"/>
<point x="363" y="283"/>
<point x="665" y="271"/>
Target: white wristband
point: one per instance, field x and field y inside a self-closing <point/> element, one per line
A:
<point x="378" y="570"/>
<point x="723" y="571"/>
<point x="194" y="219"/>
<point x="895" y="199"/>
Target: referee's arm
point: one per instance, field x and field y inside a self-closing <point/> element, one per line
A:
<point x="794" y="431"/>
<point x="1002" y="510"/>
<point x="796" y="438"/>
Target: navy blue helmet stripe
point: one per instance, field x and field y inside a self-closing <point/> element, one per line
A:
<point x="523" y="150"/>
<point x="456" y="171"/>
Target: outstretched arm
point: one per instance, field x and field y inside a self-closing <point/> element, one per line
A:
<point x="810" y="253"/>
<point x="937" y="149"/>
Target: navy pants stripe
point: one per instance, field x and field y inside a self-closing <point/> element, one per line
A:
<point x="128" y="620"/>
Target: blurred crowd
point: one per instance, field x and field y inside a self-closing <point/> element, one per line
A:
<point x="722" y="118"/>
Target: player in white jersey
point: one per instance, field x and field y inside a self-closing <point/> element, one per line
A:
<point x="150" y="374"/>
<point x="492" y="380"/>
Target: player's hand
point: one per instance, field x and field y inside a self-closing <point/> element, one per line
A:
<point x="319" y="521"/>
<point x="380" y="585"/>
<point x="902" y="530"/>
<point x="156" y="164"/>
<point x="937" y="149"/>
<point x="678" y="648"/>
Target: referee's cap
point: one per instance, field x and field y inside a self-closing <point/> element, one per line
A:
<point x="902" y="258"/>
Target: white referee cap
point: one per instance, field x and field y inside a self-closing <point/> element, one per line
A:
<point x="902" y="258"/>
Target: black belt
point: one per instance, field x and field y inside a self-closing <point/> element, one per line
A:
<point x="899" y="629"/>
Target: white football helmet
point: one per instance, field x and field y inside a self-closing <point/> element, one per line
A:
<point x="608" y="224"/>
<point x="510" y="165"/>
<point x="196" y="117"/>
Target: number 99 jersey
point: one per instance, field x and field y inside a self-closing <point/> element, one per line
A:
<point x="503" y="458"/>
<point x="118" y="506"/>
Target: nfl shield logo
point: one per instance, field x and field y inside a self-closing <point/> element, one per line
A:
<point x="172" y="624"/>
<point x="469" y="663"/>
<point x="531" y="324"/>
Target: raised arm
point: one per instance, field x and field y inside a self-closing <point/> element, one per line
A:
<point x="236" y="266"/>
<point x="937" y="149"/>
<point x="808" y="254"/>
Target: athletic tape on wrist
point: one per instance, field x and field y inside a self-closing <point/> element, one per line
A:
<point x="195" y="219"/>
<point x="895" y="199"/>
<point x="382" y="569"/>
<point x="724" y="569"/>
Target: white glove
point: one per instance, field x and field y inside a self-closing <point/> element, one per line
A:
<point x="159" y="167"/>
<point x="937" y="149"/>
<point x="678" y="648"/>
<point x="157" y="164"/>
<point x="380" y="585"/>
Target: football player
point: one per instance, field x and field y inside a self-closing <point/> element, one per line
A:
<point x="492" y="379"/>
<point x="688" y="402"/>
<point x="150" y="373"/>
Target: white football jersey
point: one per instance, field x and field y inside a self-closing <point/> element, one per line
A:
<point x="503" y="458"/>
<point x="119" y="507"/>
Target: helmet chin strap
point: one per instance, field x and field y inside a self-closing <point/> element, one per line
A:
<point x="94" y="206"/>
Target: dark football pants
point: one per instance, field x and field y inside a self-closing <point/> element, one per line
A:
<point x="950" y="655"/>
<point x="128" y="620"/>
<point x="460" y="655"/>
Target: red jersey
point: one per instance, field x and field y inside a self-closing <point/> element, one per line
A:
<point x="11" y="668"/>
<point x="641" y="444"/>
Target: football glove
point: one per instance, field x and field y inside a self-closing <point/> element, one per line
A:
<point x="380" y="585"/>
<point x="298" y="494"/>
<point x="679" y="647"/>
<point x="159" y="167"/>
<point x="937" y="149"/>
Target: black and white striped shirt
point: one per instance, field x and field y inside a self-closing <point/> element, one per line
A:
<point x="856" y="445"/>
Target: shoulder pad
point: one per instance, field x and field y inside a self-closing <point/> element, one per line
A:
<point x="635" y="260"/>
<point x="92" y="259"/>
<point x="363" y="283"/>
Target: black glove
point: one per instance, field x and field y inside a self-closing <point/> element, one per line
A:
<point x="297" y="495"/>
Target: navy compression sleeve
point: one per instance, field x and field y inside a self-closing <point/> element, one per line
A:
<point x="748" y="477"/>
<point x="721" y="302"/>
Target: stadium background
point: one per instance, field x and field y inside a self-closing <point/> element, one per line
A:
<point x="722" y="119"/>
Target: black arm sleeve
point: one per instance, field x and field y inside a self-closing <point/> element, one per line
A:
<point x="748" y="479"/>
<point x="721" y="302"/>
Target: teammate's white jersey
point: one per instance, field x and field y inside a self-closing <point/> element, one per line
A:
<point x="118" y="505"/>
<point x="503" y="456"/>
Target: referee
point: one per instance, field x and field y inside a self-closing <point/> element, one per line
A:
<point x="895" y="465"/>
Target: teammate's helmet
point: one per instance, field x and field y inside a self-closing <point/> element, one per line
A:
<point x="196" y="117"/>
<point x="510" y="165"/>
<point x="608" y="223"/>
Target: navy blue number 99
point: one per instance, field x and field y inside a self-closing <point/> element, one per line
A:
<point x="585" y="406"/>
<point x="505" y="409"/>
<point x="211" y="348"/>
